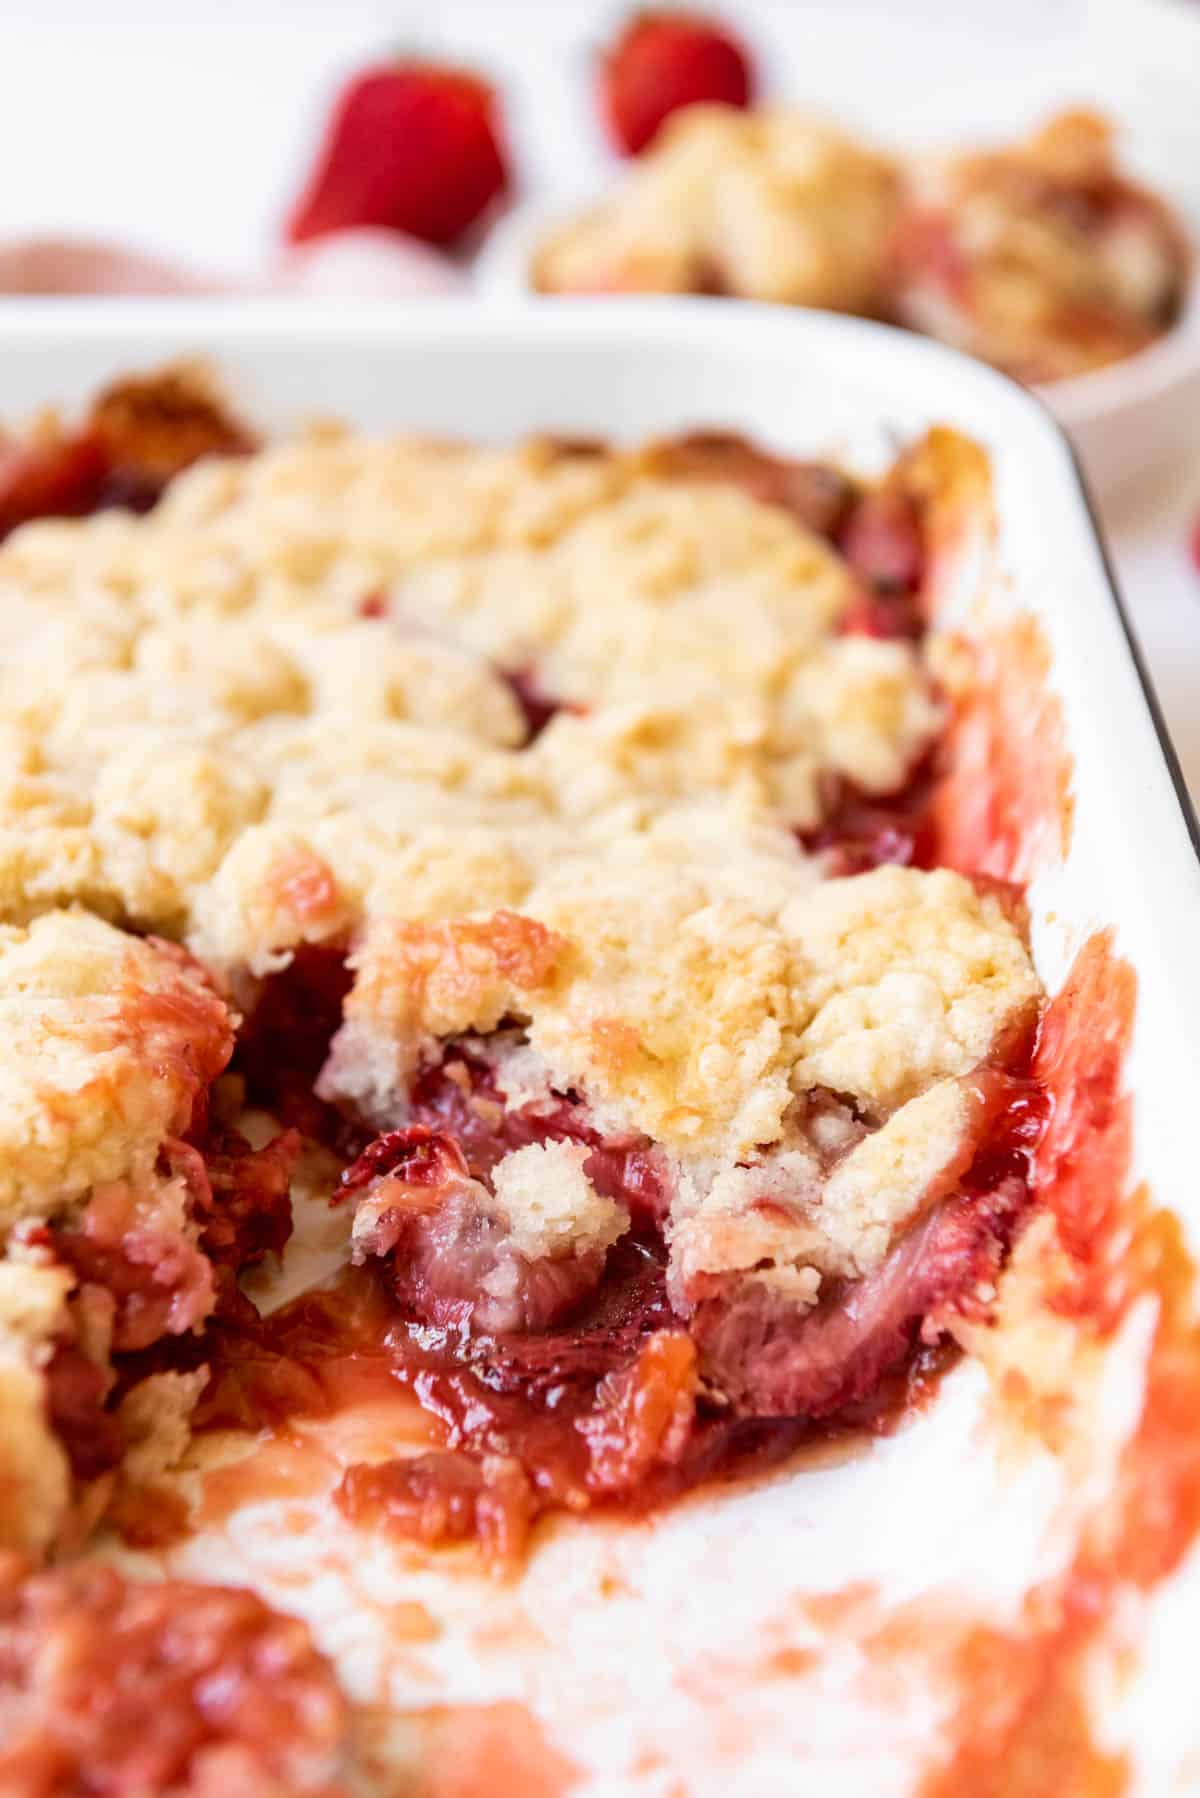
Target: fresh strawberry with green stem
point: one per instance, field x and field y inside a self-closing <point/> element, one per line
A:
<point x="663" y="61"/>
<point x="410" y="146"/>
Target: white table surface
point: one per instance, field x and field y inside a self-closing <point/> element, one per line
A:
<point x="185" y="129"/>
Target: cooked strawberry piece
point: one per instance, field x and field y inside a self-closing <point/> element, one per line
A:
<point x="537" y="706"/>
<point x="76" y="1390"/>
<point x="924" y="246"/>
<point x="159" y="1279"/>
<point x="110" y="1687"/>
<point x="443" y="1498"/>
<point x="646" y="1414"/>
<point x="250" y="1213"/>
<point x="629" y="1170"/>
<point x="285" y="1042"/>
<point x="629" y="1305"/>
<point x="860" y="831"/>
<point x="881" y="540"/>
<point x="55" y="477"/>
<point x="663" y="61"/>
<point x="769" y="1359"/>
<point x="161" y="1271"/>
<point x="428" y="1160"/>
<point x="461" y="1096"/>
<point x="454" y="1257"/>
<point x="240" y="1197"/>
<point x="888" y="617"/>
<point x="138" y="435"/>
<point x="410" y="147"/>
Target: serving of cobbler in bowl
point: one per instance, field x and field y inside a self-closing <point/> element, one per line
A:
<point x="520" y="1022"/>
<point x="1042" y="257"/>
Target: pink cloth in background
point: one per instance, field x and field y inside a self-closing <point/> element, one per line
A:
<point x="73" y="265"/>
<point x="347" y="265"/>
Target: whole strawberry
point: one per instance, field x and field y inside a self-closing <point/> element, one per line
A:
<point x="411" y="147"/>
<point x="665" y="60"/>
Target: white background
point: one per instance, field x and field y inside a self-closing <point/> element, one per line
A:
<point x="185" y="128"/>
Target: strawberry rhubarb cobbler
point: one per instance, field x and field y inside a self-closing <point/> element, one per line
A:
<point x="513" y="874"/>
<point x="1042" y="258"/>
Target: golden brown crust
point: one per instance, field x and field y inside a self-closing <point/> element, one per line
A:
<point x="159" y="424"/>
<point x="109" y="1040"/>
<point x="279" y="702"/>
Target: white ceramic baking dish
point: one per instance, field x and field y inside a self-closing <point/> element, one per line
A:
<point x="739" y="1643"/>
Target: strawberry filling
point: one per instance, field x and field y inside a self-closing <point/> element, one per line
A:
<point x="578" y="1385"/>
<point x="285" y="1041"/>
<point x="148" y="1271"/>
<point x="77" y="1389"/>
<point x="442" y="1498"/>
<point x="241" y="1196"/>
<point x="461" y="1096"/>
<point x="158" y="1271"/>
<point x="860" y="831"/>
<point x="769" y="1360"/>
<point x="451" y="1260"/>
<point x="882" y="541"/>
<point x="538" y="708"/>
<point x="111" y="1687"/>
<point x="157" y="1279"/>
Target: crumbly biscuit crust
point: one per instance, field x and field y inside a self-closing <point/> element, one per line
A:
<point x="104" y="1035"/>
<point x="36" y="1484"/>
<point x="197" y="710"/>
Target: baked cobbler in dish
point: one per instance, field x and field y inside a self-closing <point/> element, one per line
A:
<point x="1042" y="258"/>
<point x="523" y="860"/>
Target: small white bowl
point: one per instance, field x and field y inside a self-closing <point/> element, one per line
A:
<point x="1128" y="420"/>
